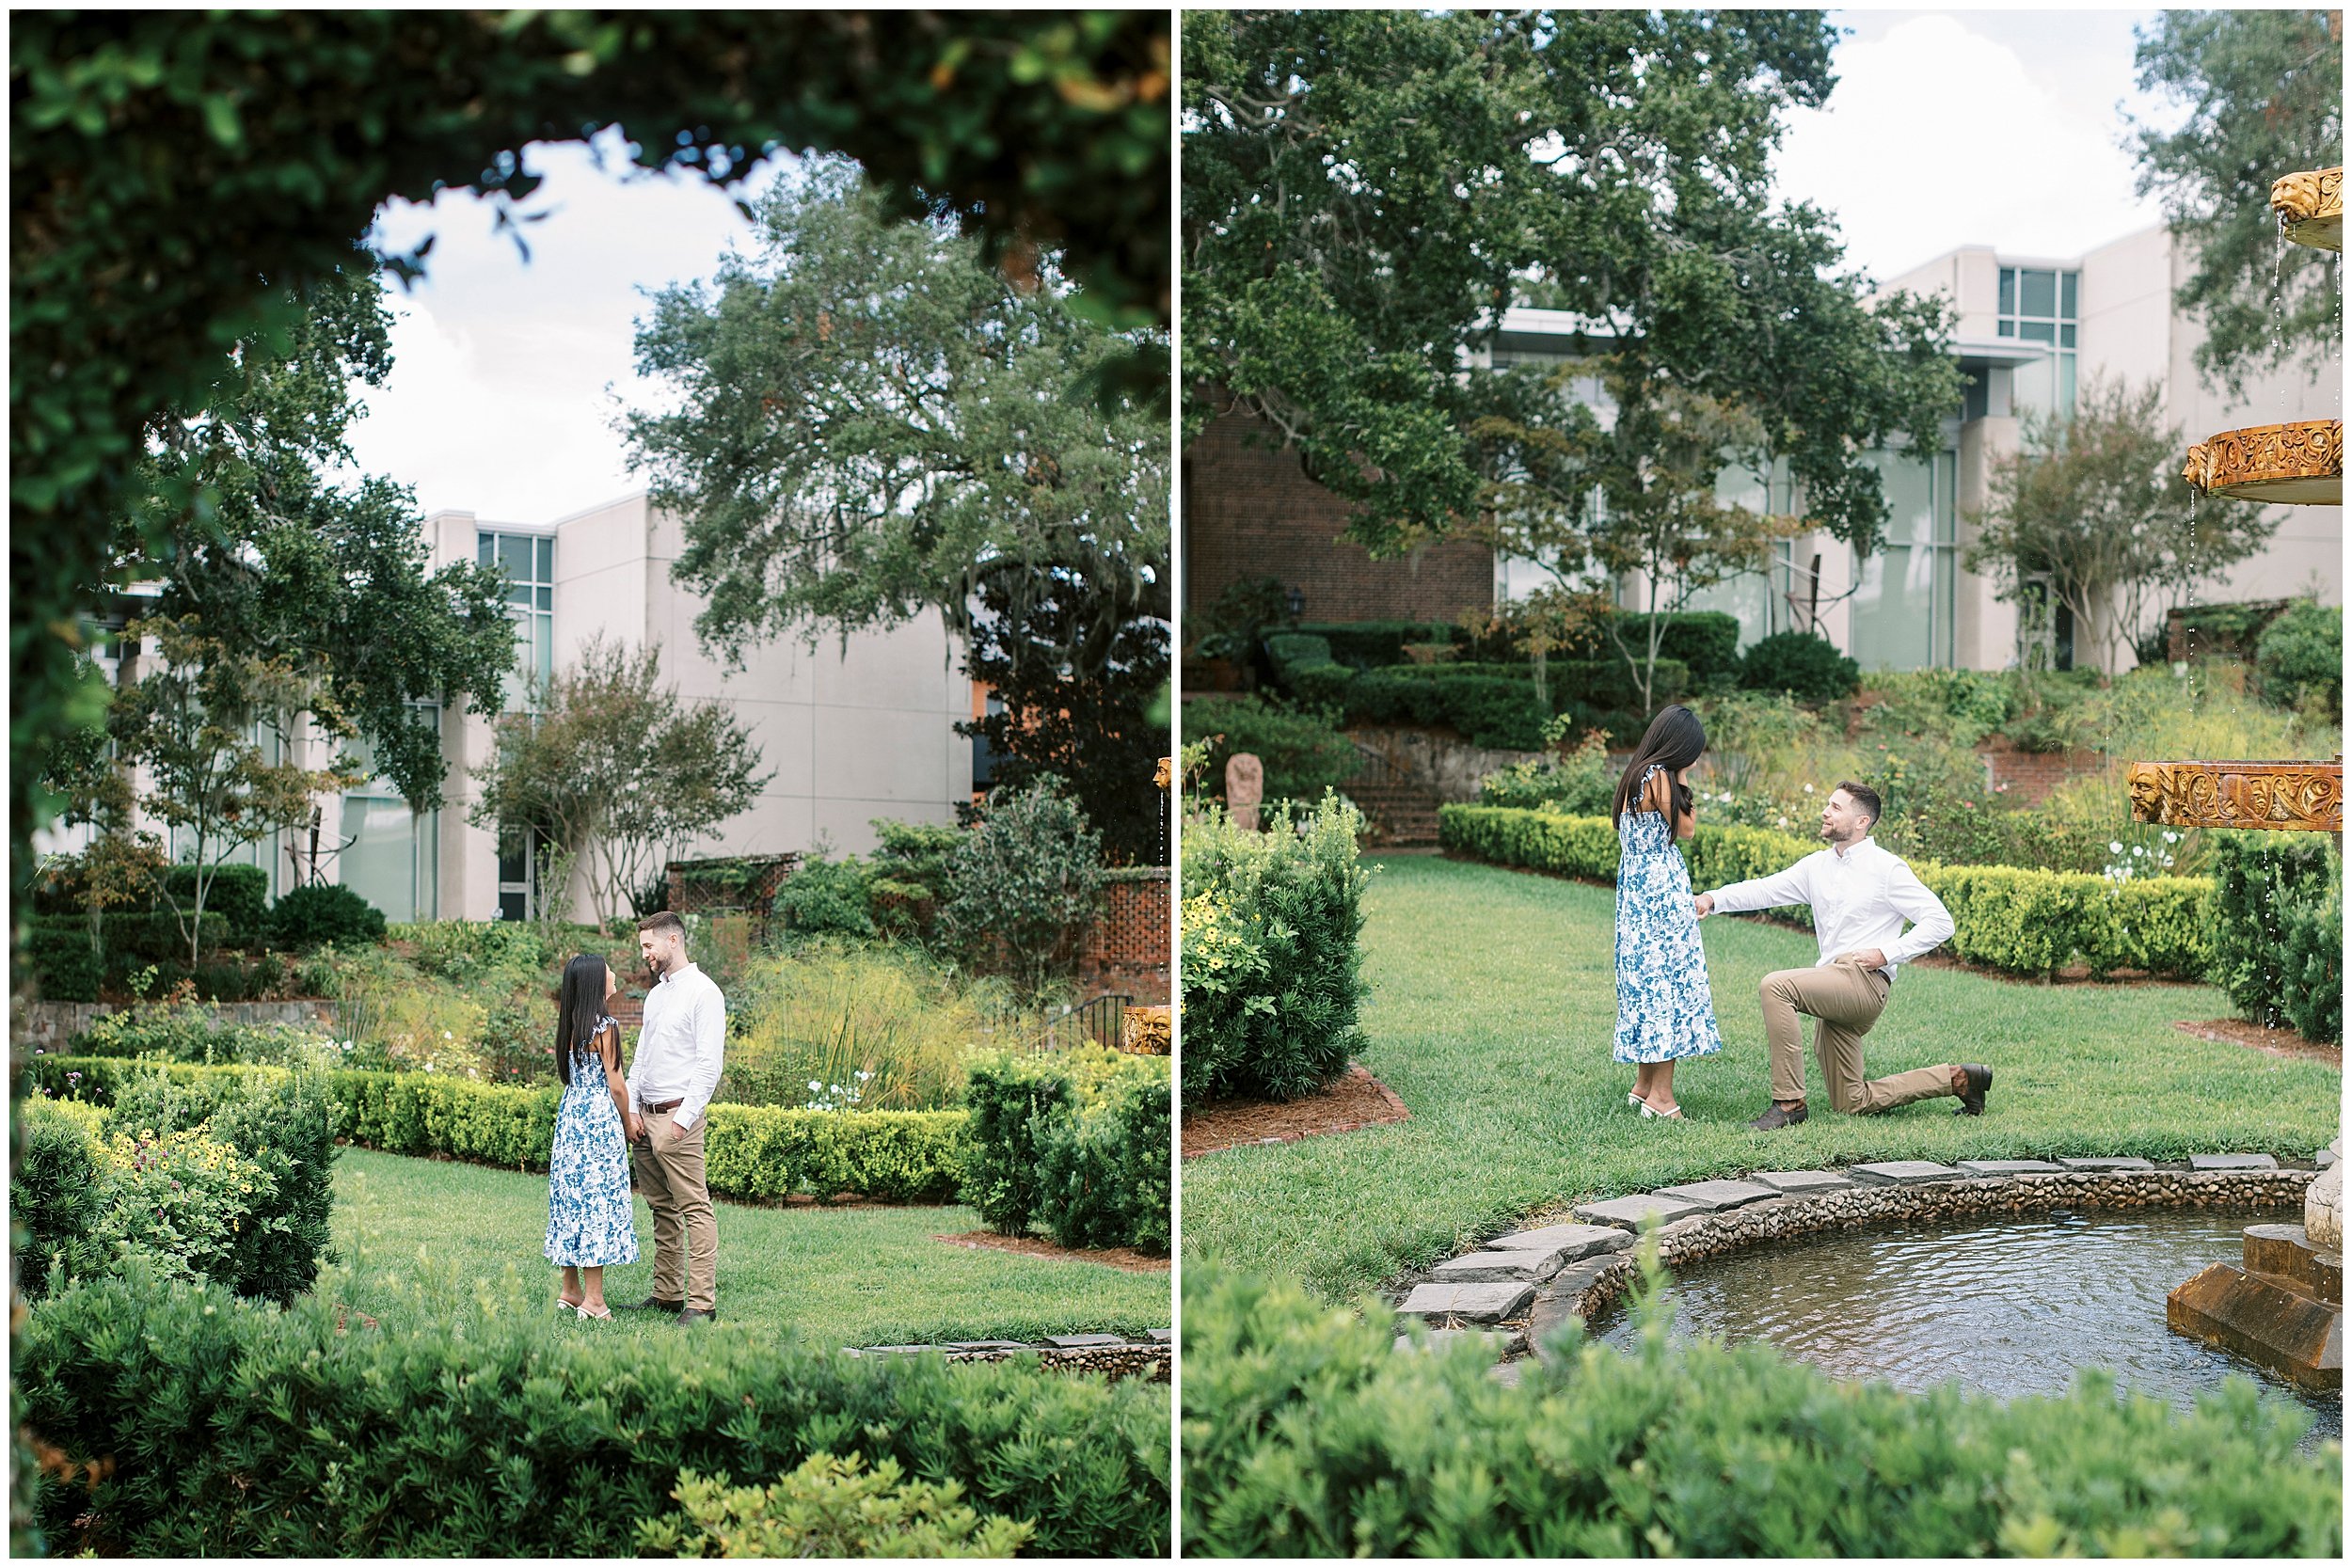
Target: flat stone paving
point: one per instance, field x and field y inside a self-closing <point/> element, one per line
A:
<point x="1716" y="1196"/>
<point x="1084" y="1342"/>
<point x="1472" y="1267"/>
<point x="2233" y="1162"/>
<point x="1902" y="1173"/>
<point x="1803" y="1181"/>
<point x="2010" y="1168"/>
<point x="1572" y="1242"/>
<point x="2106" y="1163"/>
<point x="1627" y="1213"/>
<point x="1475" y="1303"/>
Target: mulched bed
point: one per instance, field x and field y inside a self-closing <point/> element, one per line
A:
<point x="1038" y="1246"/>
<point x="2271" y="1042"/>
<point x="1354" y="1100"/>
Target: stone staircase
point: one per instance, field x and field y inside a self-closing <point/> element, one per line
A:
<point x="1398" y="815"/>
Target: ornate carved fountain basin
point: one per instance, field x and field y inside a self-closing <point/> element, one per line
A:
<point x="2309" y="205"/>
<point x="2305" y="797"/>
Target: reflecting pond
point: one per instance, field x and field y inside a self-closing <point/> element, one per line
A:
<point x="2007" y="1306"/>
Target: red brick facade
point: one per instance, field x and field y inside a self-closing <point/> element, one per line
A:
<point x="1128" y="949"/>
<point x="2027" y="777"/>
<point x="1250" y="512"/>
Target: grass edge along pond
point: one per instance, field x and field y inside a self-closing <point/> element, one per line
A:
<point x="1492" y="1008"/>
<point x="852" y="1275"/>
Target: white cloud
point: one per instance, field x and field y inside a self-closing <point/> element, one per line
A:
<point x="505" y="371"/>
<point x="2000" y="127"/>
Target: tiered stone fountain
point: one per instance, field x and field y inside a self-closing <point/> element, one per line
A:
<point x="2283" y="1305"/>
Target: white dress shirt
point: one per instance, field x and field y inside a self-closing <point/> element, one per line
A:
<point x="1860" y="897"/>
<point x="681" y="1046"/>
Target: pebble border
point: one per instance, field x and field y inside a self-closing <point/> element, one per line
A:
<point x="1896" y="1192"/>
<point x="1152" y="1358"/>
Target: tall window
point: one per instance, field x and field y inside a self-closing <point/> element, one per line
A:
<point x="529" y="562"/>
<point x="1903" y="602"/>
<point x="391" y="855"/>
<point x="2039" y="305"/>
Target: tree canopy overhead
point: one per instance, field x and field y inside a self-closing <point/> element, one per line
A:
<point x="2264" y="91"/>
<point x="177" y="176"/>
<point x="1365" y="193"/>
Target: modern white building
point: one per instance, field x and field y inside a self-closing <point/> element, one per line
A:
<point x="851" y="730"/>
<point x="2032" y="330"/>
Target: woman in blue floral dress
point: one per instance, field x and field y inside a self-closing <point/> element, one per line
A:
<point x="590" y="1221"/>
<point x="1664" y="1009"/>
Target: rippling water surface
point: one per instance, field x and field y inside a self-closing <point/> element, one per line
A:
<point x="2010" y="1307"/>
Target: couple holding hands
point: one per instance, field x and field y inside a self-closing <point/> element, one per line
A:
<point x="650" y="1123"/>
<point x="1859" y="895"/>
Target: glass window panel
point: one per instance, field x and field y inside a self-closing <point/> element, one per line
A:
<point x="2037" y="293"/>
<point x="547" y="599"/>
<point x="2008" y="290"/>
<point x="2030" y="388"/>
<point x="487" y="545"/>
<point x="2040" y="332"/>
<point x="380" y="863"/>
<point x="511" y="905"/>
<point x="2066" y="384"/>
<point x="2066" y="336"/>
<point x="1947" y="491"/>
<point x="542" y="645"/>
<point x="2066" y="294"/>
<point x="2009" y="328"/>
<point x="1890" y="614"/>
<point x="547" y="560"/>
<point x="514" y="555"/>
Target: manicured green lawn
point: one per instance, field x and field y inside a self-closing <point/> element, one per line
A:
<point x="1492" y="1015"/>
<point x="847" y="1276"/>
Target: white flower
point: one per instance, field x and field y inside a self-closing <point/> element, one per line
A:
<point x="1808" y="790"/>
<point x="863" y="1075"/>
<point x="2114" y="847"/>
<point x="447" y="1036"/>
<point x="814" y="1087"/>
<point x="2171" y="837"/>
<point x="2138" y="850"/>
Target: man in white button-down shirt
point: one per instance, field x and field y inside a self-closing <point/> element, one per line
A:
<point x="681" y="1048"/>
<point x="1859" y="895"/>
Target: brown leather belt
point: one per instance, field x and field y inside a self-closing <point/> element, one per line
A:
<point x="666" y="1105"/>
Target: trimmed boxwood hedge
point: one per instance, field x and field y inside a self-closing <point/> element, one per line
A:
<point x="2007" y="918"/>
<point x="221" y="1428"/>
<point x="1307" y="1434"/>
<point x="753" y="1152"/>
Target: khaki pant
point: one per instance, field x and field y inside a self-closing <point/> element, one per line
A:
<point x="1846" y="999"/>
<point x="670" y="1174"/>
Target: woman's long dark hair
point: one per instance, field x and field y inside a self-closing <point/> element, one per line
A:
<point x="1674" y="740"/>
<point x="578" y="1003"/>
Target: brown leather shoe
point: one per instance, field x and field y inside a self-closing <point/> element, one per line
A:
<point x="1972" y="1098"/>
<point x="698" y="1315"/>
<point x="652" y="1303"/>
<point x="1775" y="1119"/>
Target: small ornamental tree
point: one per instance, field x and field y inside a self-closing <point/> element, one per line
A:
<point x="1026" y="883"/>
<point x="612" y="768"/>
<point x="196" y="724"/>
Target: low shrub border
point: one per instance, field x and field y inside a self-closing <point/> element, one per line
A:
<point x="2006" y="918"/>
<point x="753" y="1152"/>
<point x="233" y="1431"/>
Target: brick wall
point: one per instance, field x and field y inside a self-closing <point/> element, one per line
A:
<point x="1128" y="949"/>
<point x="2028" y="776"/>
<point x="1250" y="512"/>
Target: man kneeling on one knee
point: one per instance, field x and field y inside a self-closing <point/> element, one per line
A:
<point x="1859" y="895"/>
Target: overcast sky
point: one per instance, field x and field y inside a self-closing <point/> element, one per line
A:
<point x="1946" y="128"/>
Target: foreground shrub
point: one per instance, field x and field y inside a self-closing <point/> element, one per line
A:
<point x="306" y="917"/>
<point x="831" y="1028"/>
<point x="751" y="1152"/>
<point x="185" y="1030"/>
<point x="1272" y="972"/>
<point x="54" y="1191"/>
<point x="1013" y="1100"/>
<point x="2300" y="658"/>
<point x="829" y="1507"/>
<point x="2019" y="921"/>
<point x="1580" y="783"/>
<point x="1306" y="1435"/>
<point x="239" y="1430"/>
<point x="466" y="949"/>
<point x="825" y="896"/>
<point x="2277" y="930"/>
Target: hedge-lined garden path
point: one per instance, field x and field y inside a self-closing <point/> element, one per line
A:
<point x="1491" y="1013"/>
<point x="858" y="1275"/>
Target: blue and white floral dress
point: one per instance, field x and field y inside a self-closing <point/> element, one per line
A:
<point x="590" y="1223"/>
<point x="1664" y="1008"/>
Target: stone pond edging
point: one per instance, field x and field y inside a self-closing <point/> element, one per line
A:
<point x="47" y="1026"/>
<point x="1522" y="1286"/>
<point x="1150" y="1356"/>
